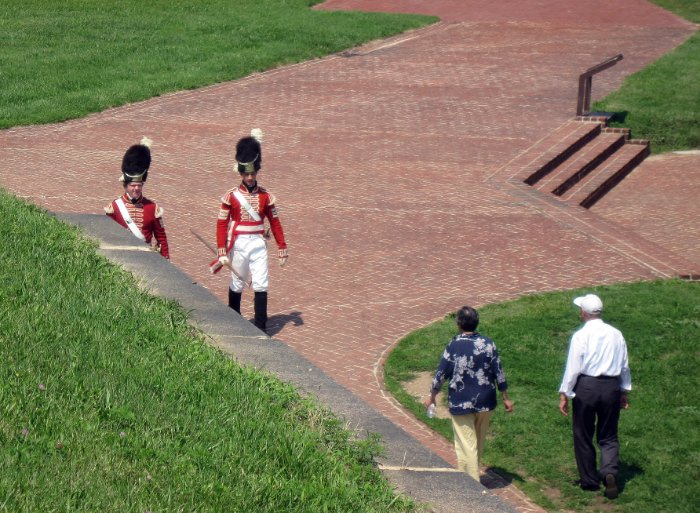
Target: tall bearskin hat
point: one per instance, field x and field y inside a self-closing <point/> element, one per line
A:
<point x="136" y="162"/>
<point x="249" y="152"/>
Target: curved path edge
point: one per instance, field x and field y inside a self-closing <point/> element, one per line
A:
<point x="410" y="467"/>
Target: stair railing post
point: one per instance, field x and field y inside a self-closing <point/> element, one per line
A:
<point x="585" y="84"/>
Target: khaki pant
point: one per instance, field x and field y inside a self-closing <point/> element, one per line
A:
<point x="470" y="433"/>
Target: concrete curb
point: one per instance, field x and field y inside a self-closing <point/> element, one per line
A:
<point x="411" y="467"/>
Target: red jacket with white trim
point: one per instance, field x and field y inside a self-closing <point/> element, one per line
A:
<point x="234" y="219"/>
<point x="147" y="216"/>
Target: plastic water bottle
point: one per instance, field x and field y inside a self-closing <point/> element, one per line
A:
<point x="431" y="411"/>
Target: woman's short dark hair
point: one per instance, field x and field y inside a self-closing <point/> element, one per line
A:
<point x="467" y="318"/>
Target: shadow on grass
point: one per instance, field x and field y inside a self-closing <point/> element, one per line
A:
<point x="627" y="472"/>
<point x="497" y="477"/>
<point x="619" y="117"/>
<point x="615" y="117"/>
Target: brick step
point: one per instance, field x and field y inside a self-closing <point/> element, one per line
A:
<point x="581" y="163"/>
<point x="555" y="149"/>
<point x="598" y="183"/>
<point x="550" y="151"/>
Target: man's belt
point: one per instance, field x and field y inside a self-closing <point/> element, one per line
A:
<point x="245" y="229"/>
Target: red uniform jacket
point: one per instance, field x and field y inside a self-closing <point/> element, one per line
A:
<point x="147" y="216"/>
<point x="234" y="219"/>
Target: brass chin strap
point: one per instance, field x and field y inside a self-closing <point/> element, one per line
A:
<point x="133" y="178"/>
<point x="249" y="167"/>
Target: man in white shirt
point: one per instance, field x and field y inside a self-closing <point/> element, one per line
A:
<point x="597" y="379"/>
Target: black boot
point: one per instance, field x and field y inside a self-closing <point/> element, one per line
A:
<point x="261" y="310"/>
<point x="234" y="300"/>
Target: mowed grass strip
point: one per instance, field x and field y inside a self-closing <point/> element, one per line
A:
<point x="660" y="440"/>
<point x="63" y="60"/>
<point x="661" y="103"/>
<point x="110" y="401"/>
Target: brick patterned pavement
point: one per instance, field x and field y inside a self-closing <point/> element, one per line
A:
<point x="387" y="162"/>
<point x="660" y="200"/>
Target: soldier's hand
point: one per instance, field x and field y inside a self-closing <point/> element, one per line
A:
<point x="282" y="256"/>
<point x="223" y="260"/>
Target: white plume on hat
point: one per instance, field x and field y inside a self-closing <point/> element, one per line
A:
<point x="590" y="303"/>
<point x="257" y="134"/>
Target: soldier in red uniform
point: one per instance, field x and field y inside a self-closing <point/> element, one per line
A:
<point x="240" y="230"/>
<point x="134" y="211"/>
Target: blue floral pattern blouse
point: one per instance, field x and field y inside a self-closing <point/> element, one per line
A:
<point x="472" y="367"/>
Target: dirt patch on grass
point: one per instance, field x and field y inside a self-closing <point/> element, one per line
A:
<point x="419" y="387"/>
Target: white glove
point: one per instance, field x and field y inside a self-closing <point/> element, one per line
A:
<point x="223" y="260"/>
<point x="282" y="256"/>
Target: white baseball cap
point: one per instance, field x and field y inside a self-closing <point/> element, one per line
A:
<point x="590" y="303"/>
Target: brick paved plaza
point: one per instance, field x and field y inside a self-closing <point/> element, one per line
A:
<point x="390" y="165"/>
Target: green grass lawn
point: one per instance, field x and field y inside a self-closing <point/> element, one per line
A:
<point x="110" y="401"/>
<point x="660" y="440"/>
<point x="661" y="103"/>
<point x="63" y="60"/>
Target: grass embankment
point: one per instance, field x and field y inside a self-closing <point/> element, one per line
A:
<point x="660" y="462"/>
<point x="63" y="60"/>
<point x="109" y="401"/>
<point x="661" y="103"/>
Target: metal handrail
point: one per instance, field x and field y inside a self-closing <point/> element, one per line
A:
<point x="585" y="83"/>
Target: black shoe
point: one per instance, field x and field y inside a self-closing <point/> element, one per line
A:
<point x="611" y="491"/>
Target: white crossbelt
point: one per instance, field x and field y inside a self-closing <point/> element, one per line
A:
<point x="244" y="203"/>
<point x="127" y="219"/>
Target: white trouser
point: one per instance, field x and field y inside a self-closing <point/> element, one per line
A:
<point x="249" y="260"/>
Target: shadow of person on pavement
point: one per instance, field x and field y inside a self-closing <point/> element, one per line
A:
<point x="276" y="322"/>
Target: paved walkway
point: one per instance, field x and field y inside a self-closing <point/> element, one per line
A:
<point x="388" y="162"/>
<point x="661" y="202"/>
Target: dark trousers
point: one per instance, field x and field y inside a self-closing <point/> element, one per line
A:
<point x="596" y="410"/>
